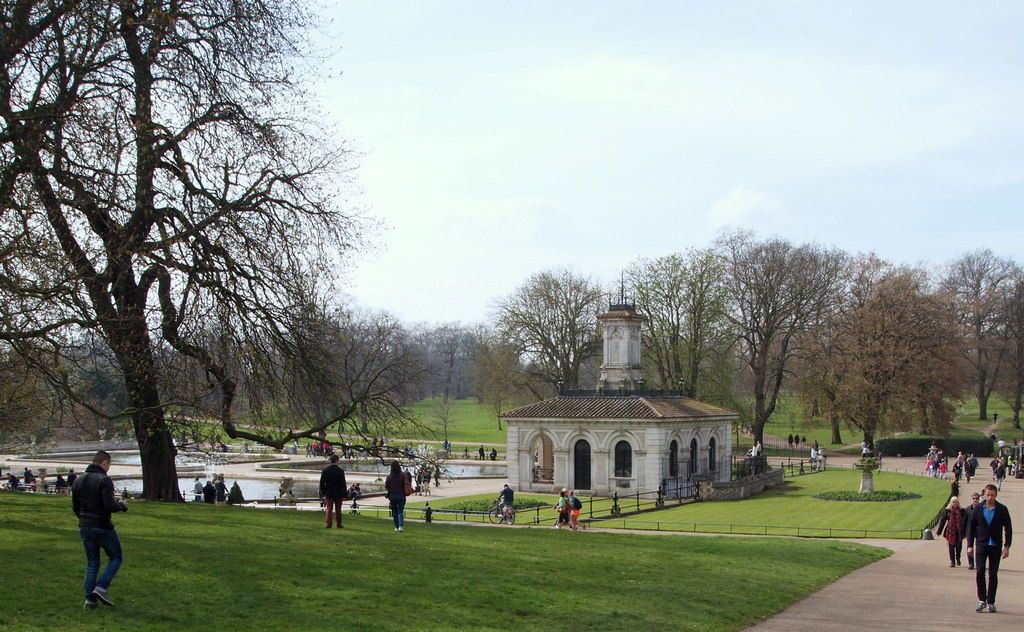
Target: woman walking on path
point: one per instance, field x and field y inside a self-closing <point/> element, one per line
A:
<point x="395" y="485"/>
<point x="953" y="526"/>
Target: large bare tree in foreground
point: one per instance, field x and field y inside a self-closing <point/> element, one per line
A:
<point x="163" y="187"/>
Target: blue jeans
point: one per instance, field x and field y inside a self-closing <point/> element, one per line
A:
<point x="94" y="539"/>
<point x="397" y="502"/>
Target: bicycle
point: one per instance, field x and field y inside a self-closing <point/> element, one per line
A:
<point x="502" y="513"/>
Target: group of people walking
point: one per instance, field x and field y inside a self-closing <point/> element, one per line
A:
<point x="568" y="506"/>
<point x="987" y="527"/>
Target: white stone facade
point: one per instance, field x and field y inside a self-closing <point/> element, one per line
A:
<point x="536" y="446"/>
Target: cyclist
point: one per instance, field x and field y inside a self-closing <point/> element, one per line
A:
<point x="506" y="501"/>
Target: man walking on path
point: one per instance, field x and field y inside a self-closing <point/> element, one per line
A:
<point x="333" y="489"/>
<point x="975" y="503"/>
<point x="991" y="531"/>
<point x="92" y="499"/>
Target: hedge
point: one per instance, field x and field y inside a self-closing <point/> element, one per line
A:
<point x="919" y="445"/>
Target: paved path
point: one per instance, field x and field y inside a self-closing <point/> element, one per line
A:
<point x="914" y="589"/>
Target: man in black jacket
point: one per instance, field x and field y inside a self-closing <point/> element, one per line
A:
<point x="92" y="498"/>
<point x="989" y="529"/>
<point x="333" y="489"/>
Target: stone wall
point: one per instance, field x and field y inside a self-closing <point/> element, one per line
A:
<point x="738" y="490"/>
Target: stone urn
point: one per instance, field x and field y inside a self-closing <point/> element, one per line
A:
<point x="41" y="479"/>
<point x="867" y="467"/>
<point x="285" y="495"/>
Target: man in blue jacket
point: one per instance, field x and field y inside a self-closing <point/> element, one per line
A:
<point x="92" y="498"/>
<point x="989" y="529"/>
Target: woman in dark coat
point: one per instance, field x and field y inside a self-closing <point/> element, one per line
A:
<point x="953" y="526"/>
<point x="395" y="485"/>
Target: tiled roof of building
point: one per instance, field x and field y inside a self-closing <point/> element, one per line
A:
<point x="630" y="407"/>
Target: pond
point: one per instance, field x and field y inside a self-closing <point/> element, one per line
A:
<point x="252" y="489"/>
<point x="451" y="470"/>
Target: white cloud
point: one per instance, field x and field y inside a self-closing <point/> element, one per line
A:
<point x="746" y="207"/>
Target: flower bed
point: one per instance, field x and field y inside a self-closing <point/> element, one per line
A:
<point x="878" y="496"/>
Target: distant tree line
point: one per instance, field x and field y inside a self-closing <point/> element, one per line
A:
<point x="863" y="343"/>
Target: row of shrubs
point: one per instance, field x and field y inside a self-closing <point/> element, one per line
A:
<point x="485" y="505"/>
<point x="918" y="445"/>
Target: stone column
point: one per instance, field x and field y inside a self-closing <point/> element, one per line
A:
<point x="600" y="470"/>
<point x="561" y="468"/>
<point x="512" y="458"/>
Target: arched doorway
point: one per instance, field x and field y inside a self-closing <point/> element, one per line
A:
<point x="543" y="459"/>
<point x="712" y="462"/>
<point x="581" y="465"/>
<point x="673" y="459"/>
<point x="692" y="468"/>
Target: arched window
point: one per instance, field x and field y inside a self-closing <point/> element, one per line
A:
<point x="712" y="465"/>
<point x="623" y="459"/>
<point x="693" y="458"/>
<point x="673" y="459"/>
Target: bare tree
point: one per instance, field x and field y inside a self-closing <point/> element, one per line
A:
<point x="160" y="168"/>
<point x="683" y="298"/>
<point x="1013" y="319"/>
<point x="499" y="377"/>
<point x="776" y="292"/>
<point x="552" y="320"/>
<point x="976" y="283"/>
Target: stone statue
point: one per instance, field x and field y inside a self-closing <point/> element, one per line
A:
<point x="285" y="496"/>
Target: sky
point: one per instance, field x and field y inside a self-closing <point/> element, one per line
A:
<point x="496" y="140"/>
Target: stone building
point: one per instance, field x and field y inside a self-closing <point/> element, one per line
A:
<point x="618" y="437"/>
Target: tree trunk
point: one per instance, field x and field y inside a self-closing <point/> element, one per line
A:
<point x="834" y="421"/>
<point x="869" y="440"/>
<point x="156" y="448"/>
<point x="1016" y="408"/>
<point x="982" y="398"/>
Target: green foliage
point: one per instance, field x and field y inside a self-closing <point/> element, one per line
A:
<point x="877" y="496"/>
<point x="482" y="504"/>
<point x="235" y="495"/>
<point x="918" y="445"/>
<point x="191" y="565"/>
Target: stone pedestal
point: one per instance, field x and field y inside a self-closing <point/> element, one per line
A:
<point x="867" y="482"/>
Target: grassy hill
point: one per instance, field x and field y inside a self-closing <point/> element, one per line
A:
<point x="470" y="423"/>
<point x="226" y="568"/>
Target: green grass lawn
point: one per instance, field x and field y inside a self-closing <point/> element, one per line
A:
<point x="226" y="568"/>
<point x="469" y="422"/>
<point x="794" y="506"/>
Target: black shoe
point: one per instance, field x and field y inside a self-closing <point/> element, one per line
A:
<point x="101" y="594"/>
<point x="958" y="562"/>
<point x="971" y="567"/>
<point x="951" y="564"/>
<point x="91" y="604"/>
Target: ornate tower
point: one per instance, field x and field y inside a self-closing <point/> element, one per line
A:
<point x="620" y="368"/>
